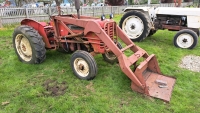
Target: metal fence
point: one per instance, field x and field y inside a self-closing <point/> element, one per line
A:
<point x="15" y="15"/>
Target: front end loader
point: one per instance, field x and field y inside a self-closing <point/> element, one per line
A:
<point x="86" y="37"/>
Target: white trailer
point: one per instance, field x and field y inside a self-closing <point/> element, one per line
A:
<point x="141" y="22"/>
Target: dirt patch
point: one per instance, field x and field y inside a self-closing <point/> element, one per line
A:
<point x="1" y="28"/>
<point x="191" y="62"/>
<point x="90" y="87"/>
<point x="53" y="88"/>
<point x="5" y="103"/>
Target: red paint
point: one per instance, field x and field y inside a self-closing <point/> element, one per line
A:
<point x="38" y="26"/>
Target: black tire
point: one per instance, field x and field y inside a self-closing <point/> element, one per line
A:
<point x="28" y="45"/>
<point x="140" y="27"/>
<point x="186" y="39"/>
<point x="110" y="56"/>
<point x="152" y="32"/>
<point x="83" y="65"/>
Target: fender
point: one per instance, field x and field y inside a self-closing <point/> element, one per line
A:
<point x="144" y="9"/>
<point x="148" y="11"/>
<point x="38" y="26"/>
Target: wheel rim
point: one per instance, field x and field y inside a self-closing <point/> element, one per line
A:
<point x="81" y="67"/>
<point x="23" y="47"/>
<point x="185" y="40"/>
<point x="133" y="26"/>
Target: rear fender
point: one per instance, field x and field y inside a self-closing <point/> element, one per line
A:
<point x="38" y="26"/>
<point x="149" y="11"/>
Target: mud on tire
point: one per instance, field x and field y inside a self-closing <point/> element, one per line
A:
<point x="152" y="32"/>
<point x="28" y="45"/>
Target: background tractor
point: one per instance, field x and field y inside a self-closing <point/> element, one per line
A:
<point x="87" y="37"/>
<point x="140" y="22"/>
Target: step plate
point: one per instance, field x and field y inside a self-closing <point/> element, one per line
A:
<point x="160" y="86"/>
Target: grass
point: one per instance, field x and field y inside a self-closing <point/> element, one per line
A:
<point x="22" y="85"/>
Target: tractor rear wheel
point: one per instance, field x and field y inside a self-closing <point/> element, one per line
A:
<point x="186" y="39"/>
<point x="83" y="65"/>
<point x="28" y="45"/>
<point x="110" y="56"/>
<point x="136" y="25"/>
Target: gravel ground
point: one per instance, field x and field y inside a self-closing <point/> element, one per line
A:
<point x="191" y="62"/>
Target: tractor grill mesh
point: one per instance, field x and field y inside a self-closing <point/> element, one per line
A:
<point x="109" y="29"/>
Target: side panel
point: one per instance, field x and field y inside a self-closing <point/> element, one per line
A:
<point x="39" y="27"/>
<point x="178" y="11"/>
<point x="193" y="21"/>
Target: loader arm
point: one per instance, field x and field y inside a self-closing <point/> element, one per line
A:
<point x="146" y="78"/>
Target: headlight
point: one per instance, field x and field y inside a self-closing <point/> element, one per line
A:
<point x="103" y="17"/>
<point x="111" y="16"/>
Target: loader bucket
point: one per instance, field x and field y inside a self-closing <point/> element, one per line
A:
<point x="156" y="84"/>
<point x="147" y="78"/>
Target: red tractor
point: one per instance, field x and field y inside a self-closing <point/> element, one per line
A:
<point x="86" y="37"/>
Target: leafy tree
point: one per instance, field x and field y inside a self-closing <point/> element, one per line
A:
<point x="114" y="2"/>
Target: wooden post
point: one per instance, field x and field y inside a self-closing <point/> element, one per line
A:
<point x="27" y="16"/>
<point x="118" y="10"/>
<point x="93" y="11"/>
<point x="81" y="10"/>
<point x="199" y="3"/>
<point x="149" y="2"/>
<point x="49" y="10"/>
<point x="111" y="10"/>
<point x="1" y="23"/>
<point x="102" y="10"/>
<point x="179" y="3"/>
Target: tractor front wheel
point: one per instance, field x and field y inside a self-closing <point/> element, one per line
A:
<point x="186" y="39"/>
<point x="28" y="45"/>
<point x="83" y="65"/>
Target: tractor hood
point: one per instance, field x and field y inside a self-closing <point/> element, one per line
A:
<point x="178" y="11"/>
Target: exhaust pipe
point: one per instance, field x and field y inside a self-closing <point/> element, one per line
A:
<point x="58" y="7"/>
<point x="77" y="6"/>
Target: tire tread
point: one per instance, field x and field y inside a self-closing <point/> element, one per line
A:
<point x="36" y="39"/>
